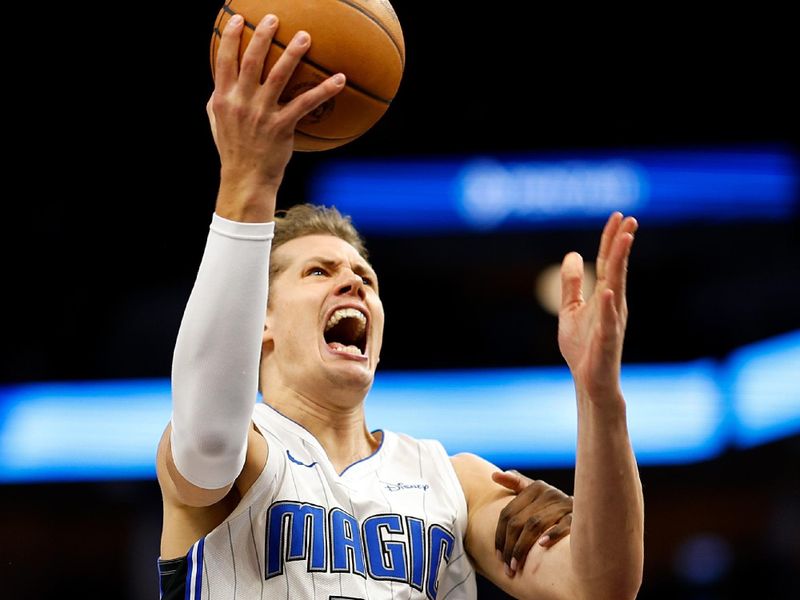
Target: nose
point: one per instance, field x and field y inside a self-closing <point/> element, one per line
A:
<point x="350" y="284"/>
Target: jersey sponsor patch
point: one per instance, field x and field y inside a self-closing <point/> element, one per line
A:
<point x="401" y="486"/>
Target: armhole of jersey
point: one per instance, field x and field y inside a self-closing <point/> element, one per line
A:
<point x="273" y="470"/>
<point x="268" y="475"/>
<point x="458" y="491"/>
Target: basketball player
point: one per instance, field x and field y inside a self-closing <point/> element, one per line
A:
<point x="296" y="498"/>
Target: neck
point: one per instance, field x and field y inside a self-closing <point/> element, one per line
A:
<point x="340" y="429"/>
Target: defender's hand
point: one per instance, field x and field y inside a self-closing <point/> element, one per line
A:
<point x="591" y="331"/>
<point x="540" y="513"/>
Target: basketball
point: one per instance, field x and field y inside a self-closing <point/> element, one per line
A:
<point x="360" y="38"/>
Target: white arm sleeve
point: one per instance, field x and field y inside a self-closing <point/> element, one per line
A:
<point x="216" y="359"/>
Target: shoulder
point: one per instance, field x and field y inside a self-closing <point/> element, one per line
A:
<point x="475" y="476"/>
<point x="470" y="467"/>
<point x="405" y="445"/>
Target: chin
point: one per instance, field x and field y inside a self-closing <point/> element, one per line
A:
<point x="357" y="378"/>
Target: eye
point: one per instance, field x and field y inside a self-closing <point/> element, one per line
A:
<point x="316" y="271"/>
<point x="366" y="280"/>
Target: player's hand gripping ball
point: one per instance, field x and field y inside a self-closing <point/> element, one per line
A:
<point x="360" y="38"/>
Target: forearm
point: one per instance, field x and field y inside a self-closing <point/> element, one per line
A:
<point x="608" y="519"/>
<point x="216" y="359"/>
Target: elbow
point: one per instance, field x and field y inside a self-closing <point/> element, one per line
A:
<point x="623" y="587"/>
<point x="628" y="588"/>
<point x="628" y="581"/>
<point x="218" y="452"/>
<point x="632" y="581"/>
<point x="209" y="459"/>
<point x="620" y="585"/>
<point x="216" y="445"/>
<point x="209" y="437"/>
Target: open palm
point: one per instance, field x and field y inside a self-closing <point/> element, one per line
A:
<point x="591" y="331"/>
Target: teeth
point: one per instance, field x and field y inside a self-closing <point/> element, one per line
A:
<point x="344" y="313"/>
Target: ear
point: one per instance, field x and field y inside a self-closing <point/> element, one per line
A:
<point x="266" y="337"/>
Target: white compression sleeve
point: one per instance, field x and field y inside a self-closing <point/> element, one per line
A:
<point x="216" y="359"/>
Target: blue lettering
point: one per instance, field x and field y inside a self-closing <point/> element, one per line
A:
<point x="416" y="538"/>
<point x="385" y="559"/>
<point x="388" y="547"/>
<point x="306" y="535"/>
<point x="347" y="550"/>
<point x="440" y="545"/>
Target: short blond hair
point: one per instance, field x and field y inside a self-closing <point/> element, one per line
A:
<point x="314" y="219"/>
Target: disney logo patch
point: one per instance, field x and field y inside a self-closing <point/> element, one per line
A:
<point x="399" y="486"/>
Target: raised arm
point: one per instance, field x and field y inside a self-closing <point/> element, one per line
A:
<point x="210" y="442"/>
<point x="603" y="556"/>
<point x="608" y="521"/>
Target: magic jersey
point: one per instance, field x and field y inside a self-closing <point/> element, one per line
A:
<point x="390" y="526"/>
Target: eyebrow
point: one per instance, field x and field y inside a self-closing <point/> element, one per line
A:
<point x="332" y="264"/>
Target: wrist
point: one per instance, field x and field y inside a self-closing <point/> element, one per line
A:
<point x="246" y="201"/>
<point x="609" y="399"/>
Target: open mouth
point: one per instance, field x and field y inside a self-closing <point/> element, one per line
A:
<point x="346" y="331"/>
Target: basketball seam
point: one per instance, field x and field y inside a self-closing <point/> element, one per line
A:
<point x="215" y="47"/>
<point x="330" y="139"/>
<point x="349" y="84"/>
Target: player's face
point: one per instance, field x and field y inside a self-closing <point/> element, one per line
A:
<point x="325" y="318"/>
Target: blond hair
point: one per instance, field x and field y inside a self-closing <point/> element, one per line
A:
<point x="311" y="219"/>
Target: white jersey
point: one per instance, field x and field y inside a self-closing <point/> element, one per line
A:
<point x="390" y="526"/>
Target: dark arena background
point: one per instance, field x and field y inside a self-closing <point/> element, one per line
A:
<point x="516" y="129"/>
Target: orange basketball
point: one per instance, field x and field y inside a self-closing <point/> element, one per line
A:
<point x="360" y="38"/>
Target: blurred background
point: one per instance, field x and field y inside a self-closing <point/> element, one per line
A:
<point x="517" y="129"/>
